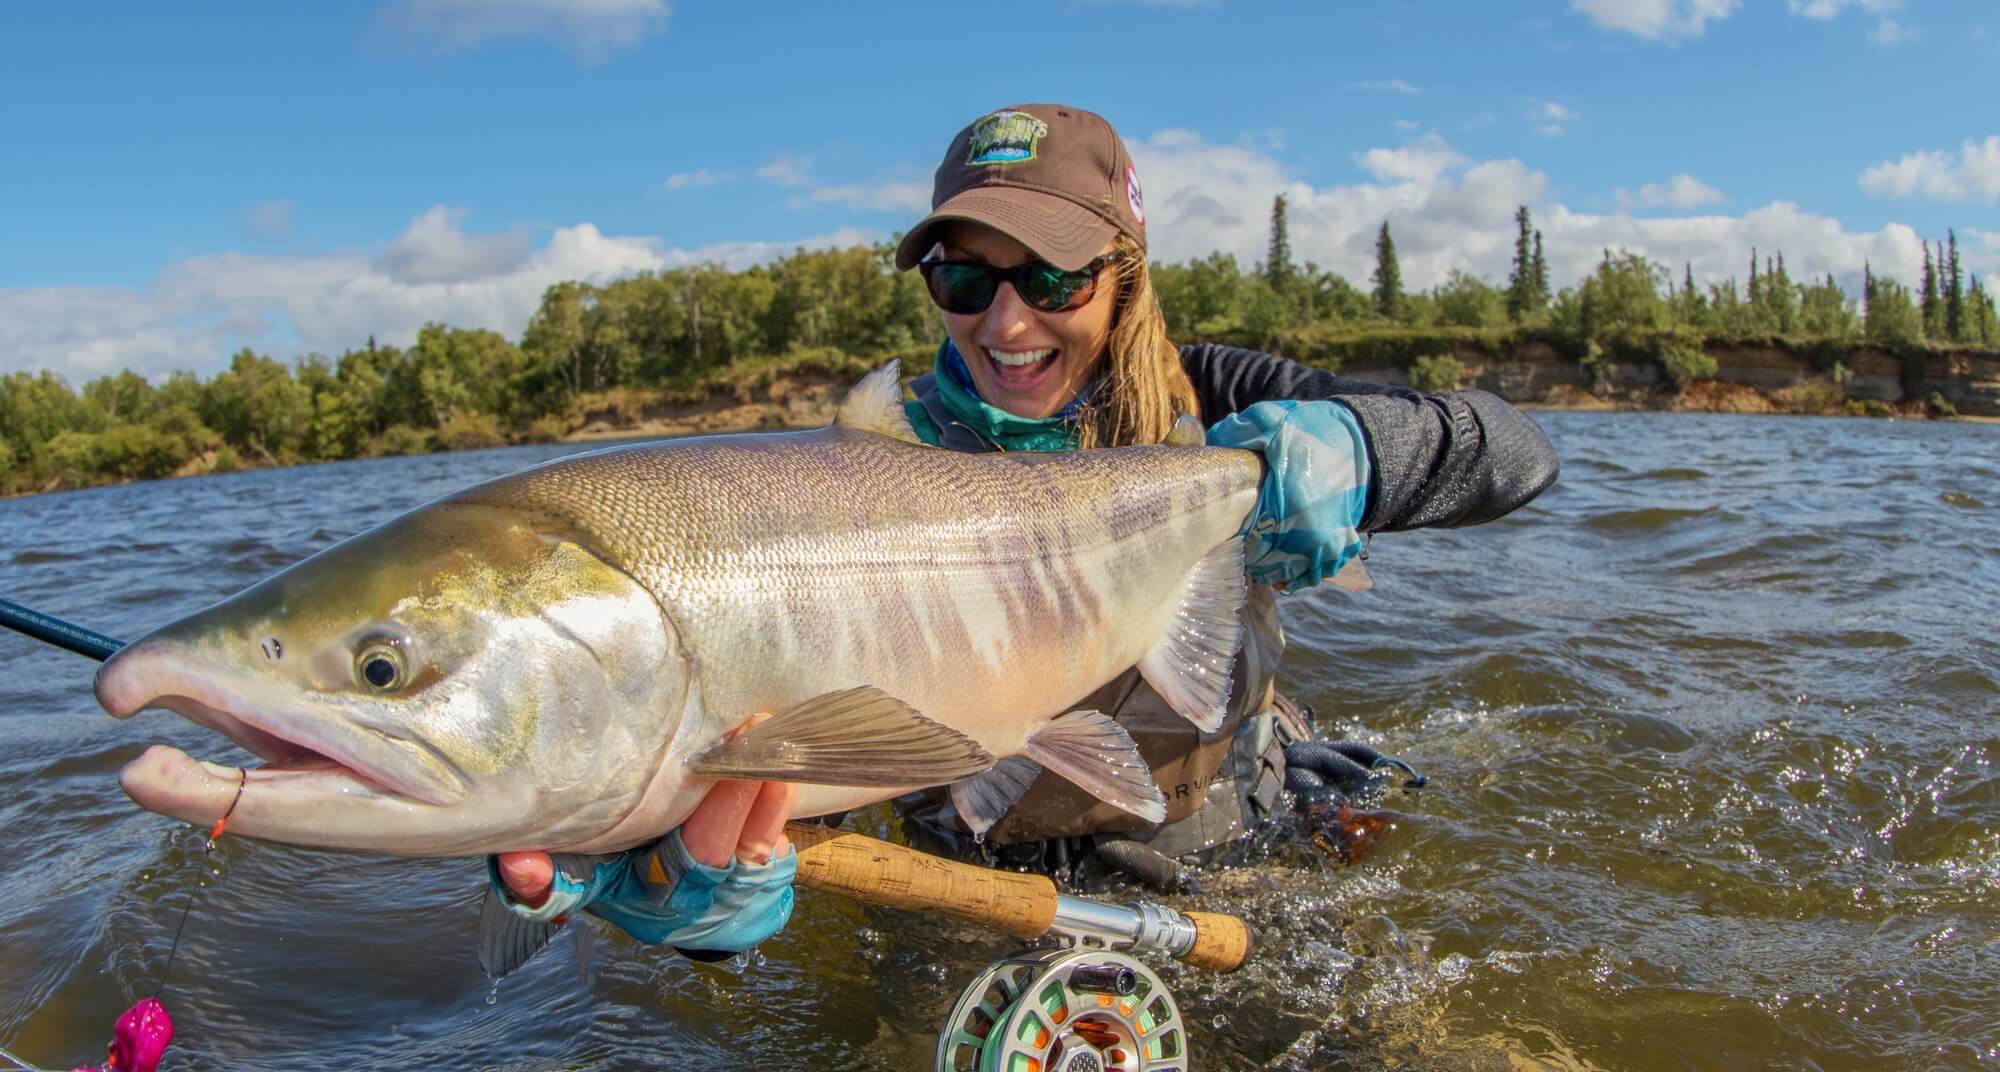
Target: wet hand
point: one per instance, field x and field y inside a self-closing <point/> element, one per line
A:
<point x="743" y="820"/>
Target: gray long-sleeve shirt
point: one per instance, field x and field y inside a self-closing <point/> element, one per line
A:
<point x="1457" y="458"/>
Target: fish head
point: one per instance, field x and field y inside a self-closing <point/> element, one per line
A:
<point x="461" y="680"/>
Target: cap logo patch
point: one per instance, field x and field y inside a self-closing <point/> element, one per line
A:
<point x="1133" y="197"/>
<point x="1005" y="138"/>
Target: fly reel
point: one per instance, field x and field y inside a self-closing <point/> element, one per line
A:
<point x="1065" y="1010"/>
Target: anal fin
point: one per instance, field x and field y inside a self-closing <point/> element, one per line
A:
<point x="1352" y="577"/>
<point x="1190" y="665"/>
<point x="508" y="940"/>
<point x="982" y="799"/>
<point x="1096" y="753"/>
<point x="861" y="736"/>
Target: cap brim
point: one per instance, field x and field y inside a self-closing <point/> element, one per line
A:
<point x="1057" y="230"/>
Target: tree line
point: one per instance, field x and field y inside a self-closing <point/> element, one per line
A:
<point x="683" y="329"/>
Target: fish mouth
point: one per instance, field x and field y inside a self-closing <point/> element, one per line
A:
<point x="308" y="756"/>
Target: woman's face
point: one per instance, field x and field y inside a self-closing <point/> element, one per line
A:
<point x="1025" y="361"/>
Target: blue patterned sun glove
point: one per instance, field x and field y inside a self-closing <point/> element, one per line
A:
<point x="1306" y="525"/>
<point x="662" y="895"/>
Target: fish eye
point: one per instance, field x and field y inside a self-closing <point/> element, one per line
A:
<point x="380" y="665"/>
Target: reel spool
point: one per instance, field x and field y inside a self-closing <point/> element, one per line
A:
<point x="1065" y="1010"/>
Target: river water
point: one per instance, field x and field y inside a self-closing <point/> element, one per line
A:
<point x="1714" y="783"/>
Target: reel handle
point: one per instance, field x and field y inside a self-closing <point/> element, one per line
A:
<point x="1221" y="942"/>
<point x="876" y="872"/>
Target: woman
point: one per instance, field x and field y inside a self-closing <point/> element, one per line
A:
<point x="1035" y="252"/>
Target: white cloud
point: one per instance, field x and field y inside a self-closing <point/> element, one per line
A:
<point x="1887" y="30"/>
<point x="1656" y="20"/>
<point x="270" y="221"/>
<point x="685" y="179"/>
<point x="1203" y="198"/>
<point x="909" y="197"/>
<point x="1407" y="126"/>
<point x="788" y="171"/>
<point x="1551" y="118"/>
<point x="435" y="249"/>
<point x="200" y="310"/>
<point x="1393" y="85"/>
<point x="1681" y="191"/>
<point x="1972" y="175"/>
<point x="589" y="29"/>
<point x="1425" y="158"/>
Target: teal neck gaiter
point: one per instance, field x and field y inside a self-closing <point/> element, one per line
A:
<point x="995" y="425"/>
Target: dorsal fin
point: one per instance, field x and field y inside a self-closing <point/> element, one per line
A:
<point x="876" y="405"/>
<point x="1186" y="432"/>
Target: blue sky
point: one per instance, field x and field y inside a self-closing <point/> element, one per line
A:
<point x="184" y="179"/>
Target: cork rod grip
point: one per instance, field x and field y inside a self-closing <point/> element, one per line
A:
<point x="877" y="872"/>
<point x="1221" y="943"/>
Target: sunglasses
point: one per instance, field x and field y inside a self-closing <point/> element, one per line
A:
<point x="967" y="287"/>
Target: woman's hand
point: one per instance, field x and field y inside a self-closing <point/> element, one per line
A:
<point x="737" y="820"/>
<point x="719" y="883"/>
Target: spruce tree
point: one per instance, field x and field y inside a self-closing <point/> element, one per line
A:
<point x="1750" y="295"/>
<point x="1983" y="317"/>
<point x="1927" y="296"/>
<point x="1521" y="278"/>
<point x="1388" y="276"/>
<point x="1278" y="259"/>
<point x="1539" y="297"/>
<point x="1954" y="293"/>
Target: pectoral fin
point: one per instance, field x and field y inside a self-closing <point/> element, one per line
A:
<point x="1088" y="748"/>
<point x="982" y="799"/>
<point x="1190" y="666"/>
<point x="861" y="736"/>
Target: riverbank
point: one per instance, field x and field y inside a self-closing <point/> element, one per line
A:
<point x="1758" y="379"/>
<point x="803" y="390"/>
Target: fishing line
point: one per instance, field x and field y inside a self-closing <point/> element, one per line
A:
<point x="207" y="849"/>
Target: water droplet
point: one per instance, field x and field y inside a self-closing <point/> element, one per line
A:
<point x="493" y="995"/>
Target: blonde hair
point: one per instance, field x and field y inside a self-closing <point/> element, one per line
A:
<point x="1145" y="387"/>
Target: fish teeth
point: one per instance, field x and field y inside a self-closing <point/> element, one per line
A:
<point x="1025" y="357"/>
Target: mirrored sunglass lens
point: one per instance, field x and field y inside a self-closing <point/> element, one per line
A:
<point x="963" y="288"/>
<point x="1050" y="287"/>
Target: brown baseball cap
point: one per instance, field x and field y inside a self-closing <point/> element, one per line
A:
<point x="1056" y="179"/>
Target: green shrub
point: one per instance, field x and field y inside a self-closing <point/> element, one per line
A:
<point x="1869" y="407"/>
<point x="1812" y="397"/>
<point x="1436" y="373"/>
<point x="547" y="428"/>
<point x="1332" y="346"/>
<point x="1940" y="406"/>
<point x="401" y="439"/>
<point x="469" y="430"/>
<point x="1684" y="362"/>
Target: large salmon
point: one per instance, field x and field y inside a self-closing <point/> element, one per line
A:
<point x="552" y="659"/>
